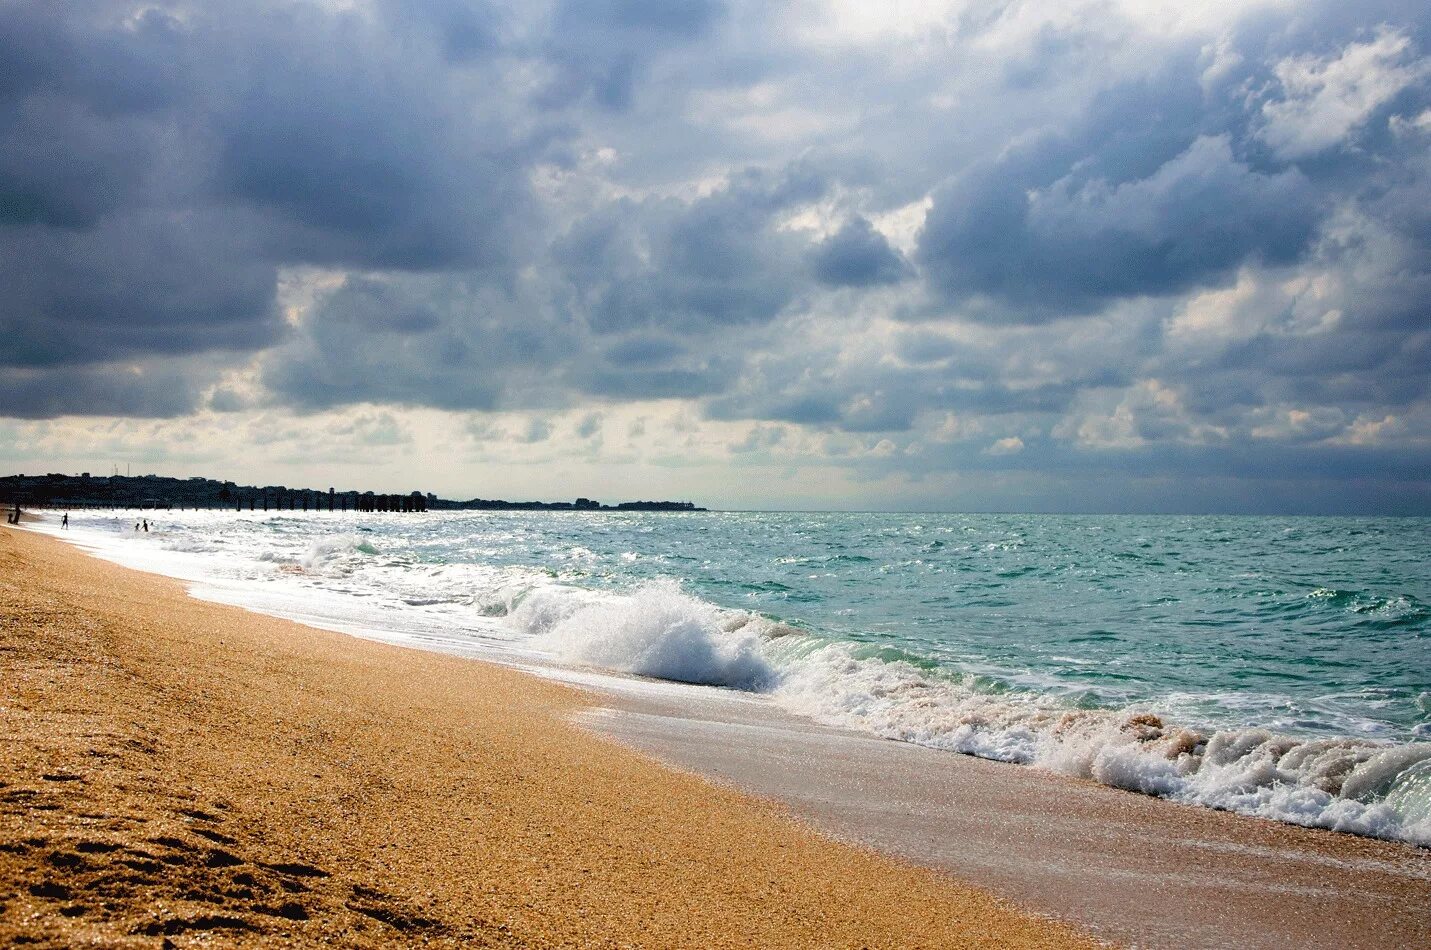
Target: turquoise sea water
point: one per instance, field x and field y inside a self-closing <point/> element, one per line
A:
<point x="1276" y="666"/>
<point x="1311" y="626"/>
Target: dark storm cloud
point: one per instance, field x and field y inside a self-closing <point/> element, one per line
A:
<point x="643" y="351"/>
<point x="355" y="154"/>
<point x="153" y="388"/>
<point x="441" y="341"/>
<point x="923" y="346"/>
<point x="602" y="47"/>
<point x="652" y="367"/>
<point x="64" y="167"/>
<point x="804" y="409"/>
<point x="104" y="254"/>
<point x="81" y="114"/>
<point x="465" y="30"/>
<point x="844" y="379"/>
<point x="133" y="285"/>
<point x="1166" y="183"/>
<point x="418" y="341"/>
<point x="1072" y="246"/>
<point x="156" y="170"/>
<point x="885" y="400"/>
<point x="693" y="267"/>
<point x="858" y="256"/>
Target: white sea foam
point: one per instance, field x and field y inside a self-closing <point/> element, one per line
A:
<point x="540" y="609"/>
<point x="656" y="631"/>
<point x="190" y="544"/>
<point x="337" y="554"/>
<point x="1351" y="785"/>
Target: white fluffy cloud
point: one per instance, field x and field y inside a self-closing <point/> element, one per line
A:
<point x="1324" y="99"/>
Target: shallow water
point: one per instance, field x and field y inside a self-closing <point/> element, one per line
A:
<point x="1273" y="666"/>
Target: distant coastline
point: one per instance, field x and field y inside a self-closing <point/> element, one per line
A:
<point x="163" y="492"/>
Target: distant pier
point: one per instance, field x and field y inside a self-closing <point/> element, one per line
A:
<point x="159" y="493"/>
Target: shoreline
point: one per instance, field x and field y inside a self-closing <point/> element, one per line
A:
<point x="176" y="770"/>
<point x="462" y="633"/>
<point x="1058" y="846"/>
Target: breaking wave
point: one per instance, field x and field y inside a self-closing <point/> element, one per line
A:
<point x="1345" y="784"/>
<point x="657" y="631"/>
<point x="337" y="554"/>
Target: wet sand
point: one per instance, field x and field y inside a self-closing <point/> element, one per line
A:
<point x="174" y="772"/>
<point x="1129" y="868"/>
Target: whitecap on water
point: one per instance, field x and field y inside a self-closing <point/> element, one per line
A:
<point x="655" y="631"/>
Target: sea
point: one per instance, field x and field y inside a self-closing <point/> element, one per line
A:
<point x="1272" y="666"/>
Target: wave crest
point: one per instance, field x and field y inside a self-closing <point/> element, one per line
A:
<point x="656" y="631"/>
<point x="337" y="554"/>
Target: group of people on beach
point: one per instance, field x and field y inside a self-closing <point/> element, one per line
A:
<point x="13" y="517"/>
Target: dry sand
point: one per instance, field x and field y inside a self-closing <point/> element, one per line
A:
<point x="173" y="771"/>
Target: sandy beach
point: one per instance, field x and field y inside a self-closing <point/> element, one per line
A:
<point x="176" y="772"/>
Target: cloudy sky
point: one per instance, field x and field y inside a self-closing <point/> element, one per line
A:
<point x="1087" y="256"/>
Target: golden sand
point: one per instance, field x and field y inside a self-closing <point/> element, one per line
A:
<point x="174" y="771"/>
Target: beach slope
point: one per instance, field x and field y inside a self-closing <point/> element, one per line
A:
<point x="177" y="772"/>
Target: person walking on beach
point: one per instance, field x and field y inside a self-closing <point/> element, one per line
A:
<point x="65" y="521"/>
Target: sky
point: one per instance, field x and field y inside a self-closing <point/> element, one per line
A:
<point x="1087" y="255"/>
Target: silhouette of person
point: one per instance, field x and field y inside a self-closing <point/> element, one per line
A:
<point x="65" y="521"/>
<point x="146" y="525"/>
